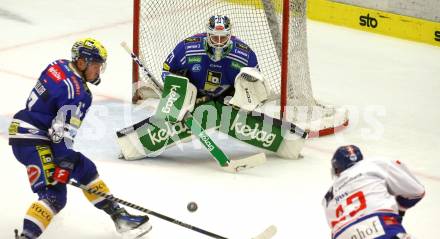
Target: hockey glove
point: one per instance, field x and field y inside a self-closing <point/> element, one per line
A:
<point x="64" y="166"/>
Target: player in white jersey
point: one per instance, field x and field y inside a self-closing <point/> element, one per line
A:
<point x="368" y="198"/>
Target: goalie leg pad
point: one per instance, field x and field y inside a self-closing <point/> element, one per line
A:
<point x="262" y="131"/>
<point x="151" y="138"/>
<point x="178" y="98"/>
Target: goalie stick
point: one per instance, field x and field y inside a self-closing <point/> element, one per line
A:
<point x="266" y="234"/>
<point x="196" y="128"/>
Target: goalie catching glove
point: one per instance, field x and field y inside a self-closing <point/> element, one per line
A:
<point x="250" y="89"/>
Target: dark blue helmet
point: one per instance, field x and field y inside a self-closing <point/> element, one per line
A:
<point x="345" y="157"/>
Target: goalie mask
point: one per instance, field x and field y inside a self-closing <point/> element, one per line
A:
<point x="90" y="50"/>
<point x="218" y="36"/>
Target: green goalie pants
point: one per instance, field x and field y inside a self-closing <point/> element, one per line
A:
<point x="253" y="128"/>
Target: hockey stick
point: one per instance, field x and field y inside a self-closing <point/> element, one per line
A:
<point x="200" y="133"/>
<point x="266" y="234"/>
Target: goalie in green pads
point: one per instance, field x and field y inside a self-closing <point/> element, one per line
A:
<point x="214" y="109"/>
<point x="220" y="66"/>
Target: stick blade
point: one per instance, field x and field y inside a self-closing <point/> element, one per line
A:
<point x="237" y="165"/>
<point x="268" y="233"/>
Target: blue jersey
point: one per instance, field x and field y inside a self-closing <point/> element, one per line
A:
<point x="190" y="58"/>
<point x="58" y="89"/>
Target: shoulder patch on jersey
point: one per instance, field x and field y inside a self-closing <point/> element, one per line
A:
<point x="242" y="46"/>
<point x="39" y="88"/>
<point x="196" y="68"/>
<point x="241" y="53"/>
<point x="192" y="39"/>
<point x="56" y="73"/>
<point x="193" y="46"/>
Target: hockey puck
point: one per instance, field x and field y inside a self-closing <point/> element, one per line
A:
<point x="192" y="206"/>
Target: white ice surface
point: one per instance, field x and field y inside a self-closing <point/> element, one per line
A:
<point x="391" y="86"/>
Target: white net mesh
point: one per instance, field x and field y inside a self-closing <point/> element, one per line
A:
<point x="163" y="23"/>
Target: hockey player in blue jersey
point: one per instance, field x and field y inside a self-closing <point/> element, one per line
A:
<point x="212" y="58"/>
<point x="42" y="135"/>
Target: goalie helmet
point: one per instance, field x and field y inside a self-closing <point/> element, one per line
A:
<point x="90" y="50"/>
<point x="218" y="36"/>
<point x="345" y="157"/>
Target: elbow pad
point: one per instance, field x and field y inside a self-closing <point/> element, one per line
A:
<point x="405" y="203"/>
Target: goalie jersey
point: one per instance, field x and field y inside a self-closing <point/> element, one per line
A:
<point x="190" y="58"/>
<point x="365" y="199"/>
<point x="59" y="91"/>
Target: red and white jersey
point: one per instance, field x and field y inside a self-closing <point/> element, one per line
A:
<point x="366" y="188"/>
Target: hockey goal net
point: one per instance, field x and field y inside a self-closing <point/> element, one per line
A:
<point x="278" y="37"/>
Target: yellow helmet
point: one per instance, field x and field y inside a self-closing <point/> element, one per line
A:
<point x="92" y="51"/>
<point x="89" y="49"/>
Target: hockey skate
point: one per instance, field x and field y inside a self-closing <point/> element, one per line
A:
<point x="131" y="225"/>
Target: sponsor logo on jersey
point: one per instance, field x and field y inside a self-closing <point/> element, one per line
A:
<point x="236" y="65"/>
<point x="194" y="59"/>
<point x="245" y="54"/>
<point x="169" y="131"/>
<point x="213" y="80"/>
<point x="368" y="21"/>
<point x="172" y="97"/>
<point x="192" y="39"/>
<point x="196" y="68"/>
<point x="195" y="46"/>
<point x="33" y="172"/>
<point x="45" y="154"/>
<point x="76" y="85"/>
<point x="215" y="66"/>
<point x="367" y="229"/>
<point x="341" y="196"/>
<point x="242" y="46"/>
<point x="246" y="131"/>
<point x="437" y="35"/>
<point x="55" y="73"/>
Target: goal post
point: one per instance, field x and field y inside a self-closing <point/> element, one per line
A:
<point x="274" y="29"/>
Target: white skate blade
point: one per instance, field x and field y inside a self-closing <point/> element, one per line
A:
<point x="139" y="232"/>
